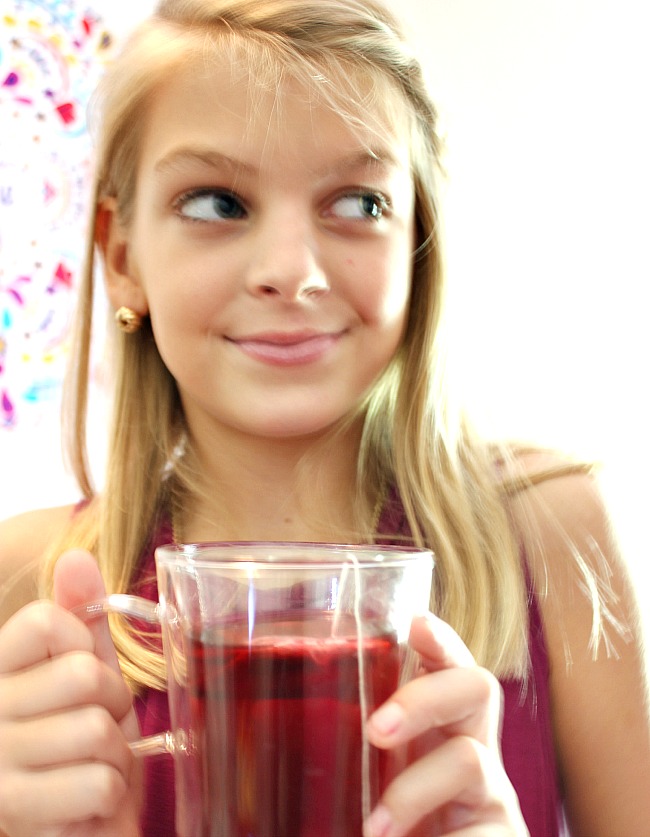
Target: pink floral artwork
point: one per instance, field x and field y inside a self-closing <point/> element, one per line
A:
<point x="51" y="56"/>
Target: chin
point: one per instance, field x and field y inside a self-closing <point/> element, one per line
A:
<point x="289" y="428"/>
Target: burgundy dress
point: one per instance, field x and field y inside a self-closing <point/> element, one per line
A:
<point x="527" y="738"/>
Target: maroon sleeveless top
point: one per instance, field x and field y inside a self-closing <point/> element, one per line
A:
<point x="527" y="737"/>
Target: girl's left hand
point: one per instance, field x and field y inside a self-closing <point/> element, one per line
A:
<point x="458" y="784"/>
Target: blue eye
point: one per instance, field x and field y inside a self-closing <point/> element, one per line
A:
<point x="210" y="205"/>
<point x="361" y="205"/>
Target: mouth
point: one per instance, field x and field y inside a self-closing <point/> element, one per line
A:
<point x="287" y="348"/>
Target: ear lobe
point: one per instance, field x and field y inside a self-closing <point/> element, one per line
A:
<point x="122" y="286"/>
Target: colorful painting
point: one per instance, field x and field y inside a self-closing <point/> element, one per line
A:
<point x="51" y="56"/>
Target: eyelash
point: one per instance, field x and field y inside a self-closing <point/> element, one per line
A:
<point x="205" y="192"/>
<point x="381" y="203"/>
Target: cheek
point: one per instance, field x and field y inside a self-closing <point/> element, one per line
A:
<point x="184" y="285"/>
<point x="178" y="313"/>
<point x="384" y="291"/>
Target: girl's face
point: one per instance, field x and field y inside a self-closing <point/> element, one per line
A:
<point x="272" y="247"/>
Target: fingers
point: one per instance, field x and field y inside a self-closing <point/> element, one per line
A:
<point x="62" y="768"/>
<point x="82" y="665"/>
<point x="73" y="679"/>
<point x="461" y="779"/>
<point x="66" y="716"/>
<point x="453" y="697"/>
<point x="77" y="581"/>
<point x="463" y="701"/>
<point x="71" y="793"/>
<point x="438" y="645"/>
<point x="450" y="718"/>
<point x="39" y="631"/>
<point x="85" y="734"/>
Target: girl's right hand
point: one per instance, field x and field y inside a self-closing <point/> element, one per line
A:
<point x="66" y="716"/>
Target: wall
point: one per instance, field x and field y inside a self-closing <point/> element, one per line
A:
<point x="547" y="220"/>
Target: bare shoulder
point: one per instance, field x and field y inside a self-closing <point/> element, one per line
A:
<point x="592" y="626"/>
<point x="556" y="503"/>
<point x="29" y="534"/>
<point x="23" y="540"/>
<point x="571" y="544"/>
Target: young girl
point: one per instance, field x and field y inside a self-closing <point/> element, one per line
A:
<point x="266" y="214"/>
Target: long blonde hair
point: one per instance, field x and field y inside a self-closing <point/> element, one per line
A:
<point x="412" y="438"/>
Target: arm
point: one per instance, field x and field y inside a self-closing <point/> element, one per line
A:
<point x="600" y="708"/>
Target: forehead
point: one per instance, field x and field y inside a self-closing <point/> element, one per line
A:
<point x="271" y="112"/>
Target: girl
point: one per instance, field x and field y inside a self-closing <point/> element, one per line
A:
<point x="266" y="215"/>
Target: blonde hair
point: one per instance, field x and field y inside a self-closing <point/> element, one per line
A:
<point x="412" y="437"/>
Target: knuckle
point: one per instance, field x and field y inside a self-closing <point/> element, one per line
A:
<point x="7" y="737"/>
<point x="85" y="675"/>
<point x="469" y="755"/>
<point x="399" y="799"/>
<point x="109" y="790"/>
<point x="408" y="800"/>
<point x="41" y="619"/>
<point x="99" y="729"/>
<point x="487" y="687"/>
<point x="12" y="794"/>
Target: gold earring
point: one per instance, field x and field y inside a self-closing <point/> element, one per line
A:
<point x="128" y="320"/>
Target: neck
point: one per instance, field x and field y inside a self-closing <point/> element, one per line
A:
<point x="272" y="489"/>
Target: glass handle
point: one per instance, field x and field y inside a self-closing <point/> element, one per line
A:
<point x="133" y="606"/>
<point x="155" y="745"/>
<point x="148" y="611"/>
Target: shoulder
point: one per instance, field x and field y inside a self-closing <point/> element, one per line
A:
<point x="30" y="533"/>
<point x="583" y="580"/>
<point x="570" y="541"/>
<point x="556" y="501"/>
<point x="23" y="541"/>
<point x="592" y="626"/>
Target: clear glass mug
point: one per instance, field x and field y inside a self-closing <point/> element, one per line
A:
<point x="276" y="655"/>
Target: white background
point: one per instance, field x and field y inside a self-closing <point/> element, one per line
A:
<point x="543" y="104"/>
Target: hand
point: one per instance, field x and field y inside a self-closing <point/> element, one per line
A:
<point x="450" y="716"/>
<point x="66" y="715"/>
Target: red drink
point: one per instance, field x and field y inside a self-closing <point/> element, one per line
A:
<point x="277" y="726"/>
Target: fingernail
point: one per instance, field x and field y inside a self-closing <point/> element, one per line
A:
<point x="388" y="718"/>
<point x="378" y="824"/>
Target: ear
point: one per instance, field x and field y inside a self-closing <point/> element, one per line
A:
<point x="122" y="284"/>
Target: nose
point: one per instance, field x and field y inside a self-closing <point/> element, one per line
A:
<point x="285" y="260"/>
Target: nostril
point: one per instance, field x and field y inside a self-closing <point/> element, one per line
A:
<point x="292" y="289"/>
<point x="313" y="290"/>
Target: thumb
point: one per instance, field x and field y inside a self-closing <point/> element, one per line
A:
<point x="78" y="581"/>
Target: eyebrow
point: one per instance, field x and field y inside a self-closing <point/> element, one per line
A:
<point x="180" y="157"/>
<point x="366" y="158"/>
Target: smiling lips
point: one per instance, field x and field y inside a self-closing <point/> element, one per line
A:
<point x="280" y="349"/>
